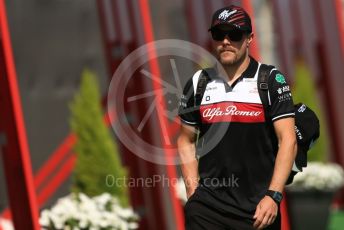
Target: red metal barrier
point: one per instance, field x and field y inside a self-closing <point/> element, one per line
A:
<point x="161" y="107"/>
<point x="45" y="177"/>
<point x="15" y="150"/>
<point x="55" y="171"/>
<point x="340" y="20"/>
<point x="125" y="32"/>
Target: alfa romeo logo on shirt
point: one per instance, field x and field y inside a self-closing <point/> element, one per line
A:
<point x="143" y="101"/>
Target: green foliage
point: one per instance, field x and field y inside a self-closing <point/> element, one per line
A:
<point x="305" y="91"/>
<point x="97" y="156"/>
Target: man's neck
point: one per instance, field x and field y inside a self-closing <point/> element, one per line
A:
<point x="234" y="71"/>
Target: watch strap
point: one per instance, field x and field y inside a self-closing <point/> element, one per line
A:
<point x="275" y="195"/>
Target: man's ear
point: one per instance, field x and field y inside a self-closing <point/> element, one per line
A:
<point x="249" y="38"/>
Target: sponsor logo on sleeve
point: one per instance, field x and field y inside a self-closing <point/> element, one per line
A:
<point x="183" y="101"/>
<point x="284" y="97"/>
<point x="280" y="78"/>
<point x="283" y="89"/>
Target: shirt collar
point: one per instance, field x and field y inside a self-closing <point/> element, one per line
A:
<point x="251" y="69"/>
<point x="249" y="72"/>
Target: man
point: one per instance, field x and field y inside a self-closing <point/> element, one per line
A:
<point x="236" y="184"/>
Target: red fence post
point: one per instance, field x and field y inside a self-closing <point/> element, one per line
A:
<point x="14" y="146"/>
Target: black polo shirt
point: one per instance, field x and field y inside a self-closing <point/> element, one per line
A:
<point x="237" y="145"/>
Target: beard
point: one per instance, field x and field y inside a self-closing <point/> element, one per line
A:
<point x="230" y="57"/>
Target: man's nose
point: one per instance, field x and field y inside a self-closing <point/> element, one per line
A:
<point x="226" y="40"/>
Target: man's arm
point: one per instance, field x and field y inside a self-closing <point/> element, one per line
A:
<point x="285" y="132"/>
<point x="187" y="153"/>
<point x="266" y="211"/>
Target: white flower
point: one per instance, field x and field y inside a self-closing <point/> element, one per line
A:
<point x="103" y="199"/>
<point x="319" y="176"/>
<point x="44" y="220"/>
<point x="78" y="211"/>
<point x="133" y="225"/>
<point x="126" y="213"/>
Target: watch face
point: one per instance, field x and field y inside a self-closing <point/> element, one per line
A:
<point x="277" y="196"/>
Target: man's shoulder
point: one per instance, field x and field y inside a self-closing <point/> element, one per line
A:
<point x="197" y="73"/>
<point x="194" y="78"/>
<point x="268" y="66"/>
<point x="191" y="82"/>
<point x="273" y="71"/>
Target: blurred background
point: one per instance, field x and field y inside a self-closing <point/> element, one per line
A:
<point x="63" y="50"/>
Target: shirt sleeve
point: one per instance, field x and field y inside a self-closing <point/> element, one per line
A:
<point x="187" y="112"/>
<point x="280" y="97"/>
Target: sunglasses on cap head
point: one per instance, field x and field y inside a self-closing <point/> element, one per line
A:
<point x="234" y="35"/>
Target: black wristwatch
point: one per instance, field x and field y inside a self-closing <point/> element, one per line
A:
<point x="276" y="196"/>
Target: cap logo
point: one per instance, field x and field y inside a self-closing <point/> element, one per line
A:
<point x="302" y="108"/>
<point x="226" y="13"/>
<point x="298" y="133"/>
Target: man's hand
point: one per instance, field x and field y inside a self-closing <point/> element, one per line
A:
<point x="266" y="213"/>
<point x="189" y="194"/>
<point x="190" y="186"/>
